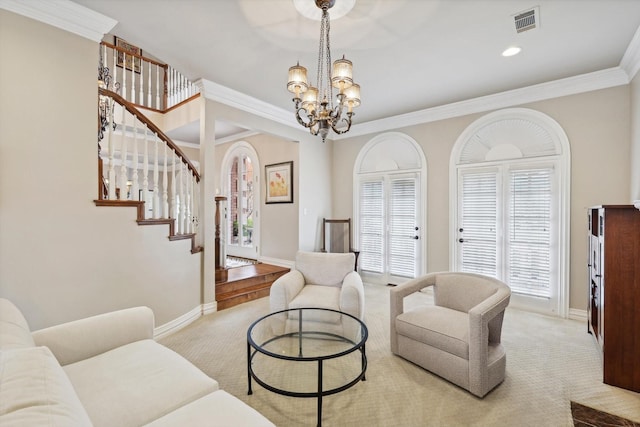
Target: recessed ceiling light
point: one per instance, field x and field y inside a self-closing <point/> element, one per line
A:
<point x="510" y="51"/>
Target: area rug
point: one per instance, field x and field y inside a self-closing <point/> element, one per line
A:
<point x="584" y="416"/>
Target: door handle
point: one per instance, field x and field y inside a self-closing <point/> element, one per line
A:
<point x="461" y="240"/>
<point x="415" y="237"/>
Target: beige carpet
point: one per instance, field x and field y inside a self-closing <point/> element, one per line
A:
<point x="550" y="362"/>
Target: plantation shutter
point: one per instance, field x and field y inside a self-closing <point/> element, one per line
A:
<point x="371" y="226"/>
<point x="530" y="207"/>
<point x="402" y="227"/>
<point x="479" y="223"/>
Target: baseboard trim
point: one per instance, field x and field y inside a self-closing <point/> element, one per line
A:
<point x="176" y="324"/>
<point x="279" y="262"/>
<point x="576" y="314"/>
<point x="209" y="308"/>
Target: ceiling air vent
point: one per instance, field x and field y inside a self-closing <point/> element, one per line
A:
<point x="527" y="20"/>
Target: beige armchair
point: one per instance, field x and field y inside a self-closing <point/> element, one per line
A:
<point x="458" y="337"/>
<point x="320" y="280"/>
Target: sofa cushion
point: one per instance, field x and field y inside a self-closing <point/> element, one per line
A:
<point x="218" y="409"/>
<point x="439" y="327"/>
<point x="14" y="329"/>
<point x="35" y="391"/>
<point x="137" y="383"/>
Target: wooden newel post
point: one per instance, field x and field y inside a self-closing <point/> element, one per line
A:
<point x="220" y="263"/>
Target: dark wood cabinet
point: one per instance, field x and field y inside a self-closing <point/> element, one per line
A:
<point x="614" y="291"/>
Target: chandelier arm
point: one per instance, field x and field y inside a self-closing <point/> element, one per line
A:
<point x="312" y="120"/>
<point x="346" y="120"/>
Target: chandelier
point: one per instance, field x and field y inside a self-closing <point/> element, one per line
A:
<point x="315" y="107"/>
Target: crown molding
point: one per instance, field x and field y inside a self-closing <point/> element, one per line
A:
<point x="217" y="92"/>
<point x="631" y="59"/>
<point x="569" y="86"/>
<point x="64" y="14"/>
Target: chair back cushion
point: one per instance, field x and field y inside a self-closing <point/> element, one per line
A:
<point x="463" y="291"/>
<point x="326" y="269"/>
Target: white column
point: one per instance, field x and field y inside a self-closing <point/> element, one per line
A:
<point x="145" y="171"/>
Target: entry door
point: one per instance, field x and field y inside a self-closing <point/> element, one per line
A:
<point x="389" y="228"/>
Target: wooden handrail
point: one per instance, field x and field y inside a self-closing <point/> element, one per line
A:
<point x="129" y="53"/>
<point x="133" y="110"/>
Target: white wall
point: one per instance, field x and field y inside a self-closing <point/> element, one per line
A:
<point x="61" y="257"/>
<point x="635" y="139"/>
<point x="598" y="127"/>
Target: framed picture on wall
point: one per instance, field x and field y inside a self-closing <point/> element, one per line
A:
<point x="279" y="182"/>
<point x="131" y="62"/>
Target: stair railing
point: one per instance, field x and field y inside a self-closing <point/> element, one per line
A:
<point x="144" y="81"/>
<point x="139" y="163"/>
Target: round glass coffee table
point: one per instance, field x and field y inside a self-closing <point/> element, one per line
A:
<point x="307" y="352"/>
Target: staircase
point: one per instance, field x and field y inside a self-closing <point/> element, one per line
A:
<point x="140" y="167"/>
<point x="247" y="283"/>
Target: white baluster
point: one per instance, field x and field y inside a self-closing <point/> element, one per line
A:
<point x="123" y="157"/>
<point x="111" y="148"/>
<point x="173" y="188"/>
<point x="135" y="186"/>
<point x="196" y="205"/>
<point x="165" y="184"/>
<point x="158" y="88"/>
<point x="149" y="104"/>
<point x="156" y="194"/>
<point x="124" y="76"/>
<point x="182" y="200"/>
<point x="114" y="69"/>
<point x="189" y="202"/>
<point x="133" y="79"/>
<point x="140" y="80"/>
<point x="145" y="171"/>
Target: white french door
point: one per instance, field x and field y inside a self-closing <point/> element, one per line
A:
<point x="508" y="228"/>
<point x="389" y="227"/>
<point x="242" y="227"/>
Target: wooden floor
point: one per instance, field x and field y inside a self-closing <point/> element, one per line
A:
<point x="247" y="283"/>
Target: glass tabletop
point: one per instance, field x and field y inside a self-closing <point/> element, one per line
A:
<point x="307" y="334"/>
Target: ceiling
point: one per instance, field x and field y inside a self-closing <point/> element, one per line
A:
<point x="408" y="55"/>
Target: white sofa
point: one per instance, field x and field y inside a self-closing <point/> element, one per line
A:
<point x="106" y="370"/>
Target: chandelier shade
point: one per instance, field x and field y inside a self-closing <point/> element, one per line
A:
<point x="297" y="80"/>
<point x="314" y="105"/>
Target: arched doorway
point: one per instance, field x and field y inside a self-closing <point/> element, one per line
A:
<point x="240" y="167"/>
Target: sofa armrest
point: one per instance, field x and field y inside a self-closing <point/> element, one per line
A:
<point x="352" y="295"/>
<point x="485" y="325"/>
<point x="284" y="289"/>
<point x="396" y="300"/>
<point x="84" y="338"/>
